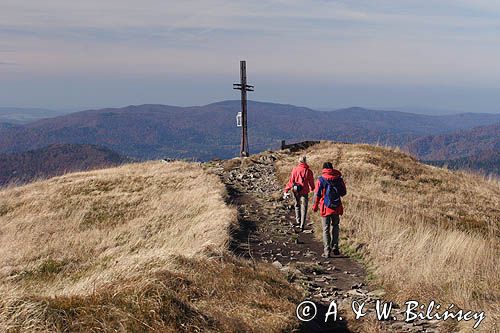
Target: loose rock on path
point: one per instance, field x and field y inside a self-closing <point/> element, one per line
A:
<point x="265" y="234"/>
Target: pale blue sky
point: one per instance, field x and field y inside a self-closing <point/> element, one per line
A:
<point x="438" y="54"/>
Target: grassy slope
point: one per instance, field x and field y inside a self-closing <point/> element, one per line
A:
<point x="429" y="233"/>
<point x="132" y="248"/>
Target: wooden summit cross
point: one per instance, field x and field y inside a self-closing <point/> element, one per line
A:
<point x="244" y="87"/>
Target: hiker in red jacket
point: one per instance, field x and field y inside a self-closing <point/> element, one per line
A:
<point x="301" y="183"/>
<point x="330" y="188"/>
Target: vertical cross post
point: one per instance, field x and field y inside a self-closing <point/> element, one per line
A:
<point x="244" y="87"/>
<point x="244" y="128"/>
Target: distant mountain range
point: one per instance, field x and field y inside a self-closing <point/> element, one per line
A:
<point x="457" y="144"/>
<point x="477" y="148"/>
<point x="433" y="111"/>
<point x="14" y="115"/>
<point x="5" y="125"/>
<point x="486" y="161"/>
<point x="205" y="132"/>
<point x="55" y="160"/>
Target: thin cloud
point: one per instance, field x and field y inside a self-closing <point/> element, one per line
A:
<point x="438" y="42"/>
<point x="3" y="63"/>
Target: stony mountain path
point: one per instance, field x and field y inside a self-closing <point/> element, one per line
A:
<point x="265" y="234"/>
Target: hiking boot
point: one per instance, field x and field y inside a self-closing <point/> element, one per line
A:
<point x="336" y="251"/>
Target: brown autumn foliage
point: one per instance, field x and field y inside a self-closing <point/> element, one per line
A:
<point x="55" y="160"/>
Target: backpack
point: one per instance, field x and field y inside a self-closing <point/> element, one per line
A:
<point x="334" y="189"/>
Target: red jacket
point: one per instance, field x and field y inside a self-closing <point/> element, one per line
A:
<point x="328" y="174"/>
<point x="302" y="175"/>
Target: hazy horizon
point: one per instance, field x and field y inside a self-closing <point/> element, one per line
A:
<point x="406" y="109"/>
<point x="438" y="55"/>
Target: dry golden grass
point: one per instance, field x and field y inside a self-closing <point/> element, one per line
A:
<point x="429" y="233"/>
<point x="136" y="248"/>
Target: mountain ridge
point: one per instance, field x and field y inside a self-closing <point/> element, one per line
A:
<point x="457" y="144"/>
<point x="474" y="149"/>
<point x="151" y="131"/>
<point x="55" y="160"/>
